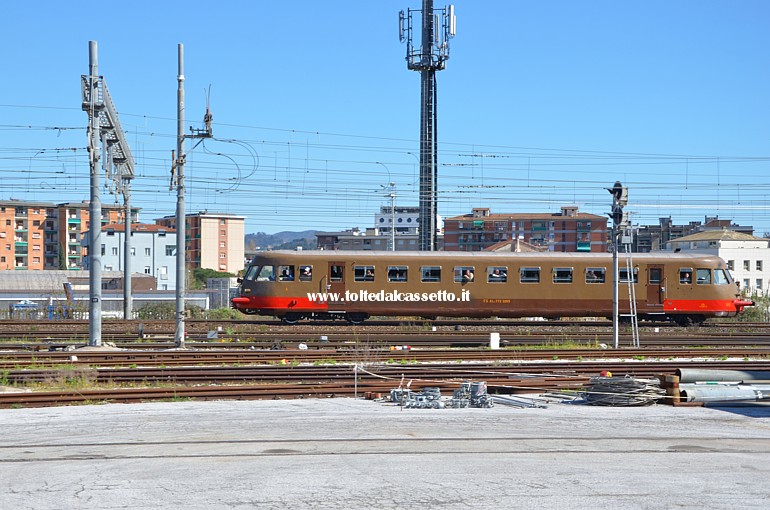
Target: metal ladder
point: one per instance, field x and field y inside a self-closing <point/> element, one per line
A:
<point x="631" y="293"/>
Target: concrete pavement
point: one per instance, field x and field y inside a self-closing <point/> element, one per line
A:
<point x="346" y="454"/>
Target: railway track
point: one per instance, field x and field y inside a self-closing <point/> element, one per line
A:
<point x="131" y="376"/>
<point x="267" y="360"/>
<point x="36" y="335"/>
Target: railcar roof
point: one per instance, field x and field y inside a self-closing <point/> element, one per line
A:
<point x="346" y="254"/>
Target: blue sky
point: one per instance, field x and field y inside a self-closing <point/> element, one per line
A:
<point x="542" y="104"/>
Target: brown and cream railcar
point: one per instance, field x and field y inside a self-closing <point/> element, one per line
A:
<point x="355" y="285"/>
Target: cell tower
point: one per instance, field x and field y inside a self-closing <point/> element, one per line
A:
<point x="431" y="56"/>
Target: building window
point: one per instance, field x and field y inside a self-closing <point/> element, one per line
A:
<point x="759" y="265"/>
<point x="731" y="265"/>
<point x="108" y="268"/>
<point x="147" y="270"/>
<point x="223" y="232"/>
<point x="222" y="222"/>
<point x="759" y="283"/>
<point x="164" y="273"/>
<point x="170" y="250"/>
<point x="222" y="244"/>
<point x="133" y="251"/>
<point x="104" y="250"/>
<point x="746" y="265"/>
<point x="115" y="250"/>
<point x="147" y="251"/>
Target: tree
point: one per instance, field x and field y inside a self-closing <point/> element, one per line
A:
<point x="201" y="274"/>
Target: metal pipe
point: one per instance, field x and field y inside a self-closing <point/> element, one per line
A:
<point x="692" y="375"/>
<point x="721" y="393"/>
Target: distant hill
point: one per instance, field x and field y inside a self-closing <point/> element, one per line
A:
<point x="281" y="241"/>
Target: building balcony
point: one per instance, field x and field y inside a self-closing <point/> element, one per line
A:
<point x="584" y="246"/>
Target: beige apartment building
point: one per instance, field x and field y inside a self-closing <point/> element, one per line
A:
<point x="212" y="240"/>
<point x="35" y="236"/>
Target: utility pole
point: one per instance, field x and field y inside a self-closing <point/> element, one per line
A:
<point x="177" y="177"/>
<point x="391" y="191"/>
<point x="94" y="107"/>
<point x="127" y="305"/>
<point x="430" y="57"/>
<point x="105" y="134"/>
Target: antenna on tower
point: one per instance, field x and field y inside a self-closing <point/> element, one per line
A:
<point x="427" y="58"/>
<point x="207" y="131"/>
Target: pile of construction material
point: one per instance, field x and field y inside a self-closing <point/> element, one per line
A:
<point x="715" y="386"/>
<point x="470" y="394"/>
<point x="623" y="391"/>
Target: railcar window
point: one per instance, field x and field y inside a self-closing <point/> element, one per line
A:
<point x="305" y="273"/>
<point x="497" y="274"/>
<point x="721" y="277"/>
<point x="655" y="275"/>
<point x="596" y="275"/>
<point x="337" y="274"/>
<point x="397" y="273"/>
<point x="623" y="275"/>
<point x="266" y="274"/>
<point x="529" y="275"/>
<point x="465" y="274"/>
<point x="685" y="275"/>
<point x="431" y="273"/>
<point x="251" y="273"/>
<point x="286" y="273"/>
<point x="703" y="276"/>
<point x="562" y="275"/>
<point x="363" y="273"/>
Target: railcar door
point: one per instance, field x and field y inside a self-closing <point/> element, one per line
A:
<point x="336" y="283"/>
<point x="655" y="282"/>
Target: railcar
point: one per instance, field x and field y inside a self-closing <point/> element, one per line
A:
<point x="355" y="285"/>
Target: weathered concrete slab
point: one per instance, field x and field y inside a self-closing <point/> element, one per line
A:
<point x="345" y="453"/>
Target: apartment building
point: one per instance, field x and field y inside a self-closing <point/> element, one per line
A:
<point x="212" y="240"/>
<point x="36" y="236"/>
<point x="747" y="256"/>
<point x="567" y="231"/>
<point x="153" y="252"/>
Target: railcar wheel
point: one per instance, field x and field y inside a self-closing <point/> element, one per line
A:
<point x="291" y="318"/>
<point x="689" y="320"/>
<point x="356" y="318"/>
